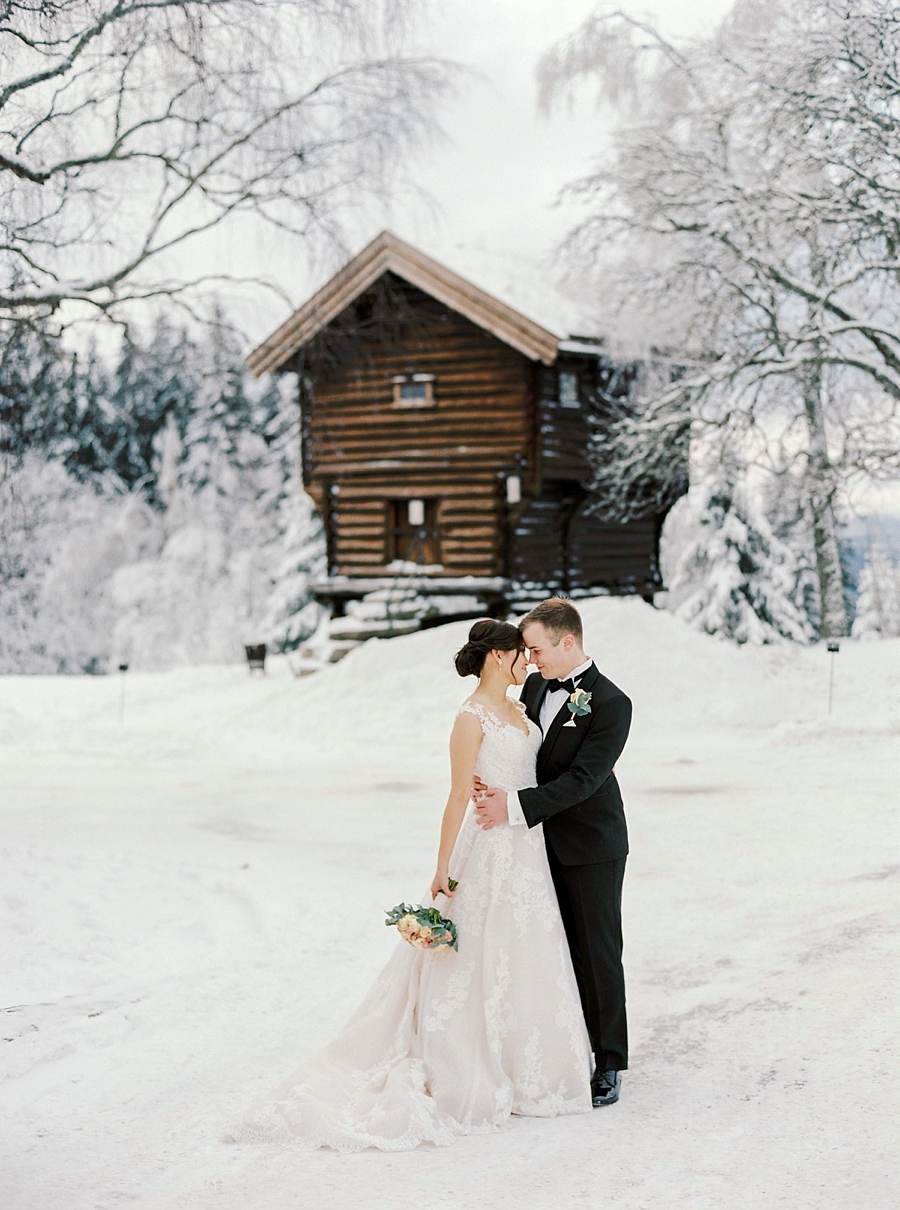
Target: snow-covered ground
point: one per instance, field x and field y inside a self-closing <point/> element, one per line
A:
<point x="192" y="901"/>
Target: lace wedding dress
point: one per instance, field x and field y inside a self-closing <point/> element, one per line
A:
<point x="453" y="1042"/>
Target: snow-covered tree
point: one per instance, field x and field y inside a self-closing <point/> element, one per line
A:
<point x="731" y="574"/>
<point x="61" y="541"/>
<point x="174" y="532"/>
<point x="34" y="371"/>
<point x="241" y="536"/>
<point x="291" y="614"/>
<point x="745" y="230"/>
<point x="785" y="502"/>
<point x="99" y="415"/>
<point x="156" y="375"/>
<point x="129" y="130"/>
<point x="878" y="603"/>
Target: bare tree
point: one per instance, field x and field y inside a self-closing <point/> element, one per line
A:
<point x="748" y="226"/>
<point x="129" y="128"/>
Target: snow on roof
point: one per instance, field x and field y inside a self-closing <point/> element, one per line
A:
<point x="529" y="285"/>
<point x="582" y="345"/>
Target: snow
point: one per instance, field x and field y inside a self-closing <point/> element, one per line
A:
<point x="528" y="284"/>
<point x="192" y="901"/>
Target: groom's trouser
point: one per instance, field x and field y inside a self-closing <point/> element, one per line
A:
<point x="590" y="902"/>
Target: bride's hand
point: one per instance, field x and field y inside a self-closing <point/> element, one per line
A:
<point x="441" y="885"/>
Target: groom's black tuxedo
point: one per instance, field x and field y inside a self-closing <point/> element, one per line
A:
<point x="577" y="799"/>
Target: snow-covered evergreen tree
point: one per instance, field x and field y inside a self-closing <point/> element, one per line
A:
<point x="787" y="508"/>
<point x="34" y="371"/>
<point x="878" y="604"/>
<point x="156" y="376"/>
<point x="732" y="575"/>
<point x="299" y="556"/>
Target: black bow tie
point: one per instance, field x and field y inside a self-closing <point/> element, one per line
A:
<point x="568" y="685"/>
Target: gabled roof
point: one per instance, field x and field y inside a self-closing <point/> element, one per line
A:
<point x="387" y="253"/>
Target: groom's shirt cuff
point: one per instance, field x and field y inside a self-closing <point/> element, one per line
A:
<point x="514" y="808"/>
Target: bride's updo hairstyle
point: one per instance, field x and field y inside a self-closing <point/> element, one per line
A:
<point x="486" y="635"/>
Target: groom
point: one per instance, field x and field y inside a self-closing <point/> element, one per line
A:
<point x="577" y="800"/>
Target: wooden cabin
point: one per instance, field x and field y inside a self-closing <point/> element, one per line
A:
<point x="445" y="438"/>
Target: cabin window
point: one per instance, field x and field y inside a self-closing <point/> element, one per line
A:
<point x="413" y="390"/>
<point x="414" y="532"/>
<point x="568" y="389"/>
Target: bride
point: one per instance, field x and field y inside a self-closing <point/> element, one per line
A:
<point x="453" y="1042"/>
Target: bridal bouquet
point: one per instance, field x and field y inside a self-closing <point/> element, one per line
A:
<point x="424" y="927"/>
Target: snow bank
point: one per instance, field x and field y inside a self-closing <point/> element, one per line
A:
<point x="404" y="691"/>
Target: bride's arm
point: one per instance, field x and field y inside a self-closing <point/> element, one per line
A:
<point x="465" y="741"/>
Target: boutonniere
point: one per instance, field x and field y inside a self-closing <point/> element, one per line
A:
<point x="578" y="703"/>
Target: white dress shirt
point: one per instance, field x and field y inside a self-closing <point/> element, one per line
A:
<point x="550" y="707"/>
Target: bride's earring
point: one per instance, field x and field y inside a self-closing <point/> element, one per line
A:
<point x="499" y="662"/>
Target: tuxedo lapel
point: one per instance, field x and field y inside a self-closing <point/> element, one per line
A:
<point x="589" y="679"/>
<point x="585" y="681"/>
<point x="562" y="716"/>
<point x="534" y="697"/>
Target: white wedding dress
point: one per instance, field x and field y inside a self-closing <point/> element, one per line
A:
<point x="453" y="1042"/>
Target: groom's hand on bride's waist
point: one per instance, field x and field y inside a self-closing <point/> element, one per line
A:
<point x="490" y="808"/>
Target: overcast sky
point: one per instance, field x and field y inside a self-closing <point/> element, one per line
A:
<point x="494" y="181"/>
<point x="498" y="176"/>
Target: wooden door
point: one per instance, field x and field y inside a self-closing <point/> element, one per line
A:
<point x="414" y="536"/>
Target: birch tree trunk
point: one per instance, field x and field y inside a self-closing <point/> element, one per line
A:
<point x="822" y="488"/>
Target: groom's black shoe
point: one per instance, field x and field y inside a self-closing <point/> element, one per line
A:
<point x="605" y="1087"/>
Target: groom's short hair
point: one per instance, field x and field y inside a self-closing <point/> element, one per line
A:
<point x="558" y="617"/>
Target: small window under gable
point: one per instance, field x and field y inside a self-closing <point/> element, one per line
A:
<point x="413" y="390"/>
<point x="568" y="389"/>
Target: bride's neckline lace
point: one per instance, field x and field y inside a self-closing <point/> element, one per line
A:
<point x="481" y="710"/>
